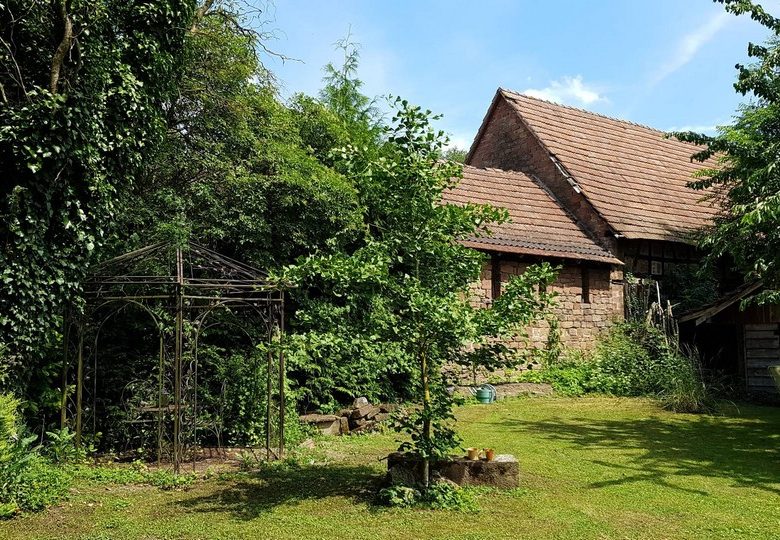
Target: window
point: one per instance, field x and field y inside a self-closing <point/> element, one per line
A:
<point x="585" y="275"/>
<point x="656" y="268"/>
<point x="495" y="277"/>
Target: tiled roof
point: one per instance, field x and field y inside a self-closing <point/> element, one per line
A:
<point x="631" y="174"/>
<point x="538" y="225"/>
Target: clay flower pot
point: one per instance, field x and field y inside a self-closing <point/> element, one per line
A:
<point x="472" y="453"/>
<point x="490" y="454"/>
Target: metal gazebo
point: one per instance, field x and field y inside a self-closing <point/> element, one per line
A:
<point x="178" y="286"/>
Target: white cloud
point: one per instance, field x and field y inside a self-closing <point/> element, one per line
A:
<point x="690" y="44"/>
<point x="460" y="142"/>
<point x="567" y="90"/>
<point x="702" y="128"/>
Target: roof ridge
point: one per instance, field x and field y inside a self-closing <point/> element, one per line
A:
<point x="578" y="109"/>
<point x="496" y="169"/>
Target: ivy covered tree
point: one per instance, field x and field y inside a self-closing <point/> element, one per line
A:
<point x="400" y="299"/>
<point x="747" y="175"/>
<point x="83" y="88"/>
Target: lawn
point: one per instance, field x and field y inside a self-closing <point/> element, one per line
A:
<point x="591" y="468"/>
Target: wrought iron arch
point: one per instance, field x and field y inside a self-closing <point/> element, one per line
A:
<point x="186" y="282"/>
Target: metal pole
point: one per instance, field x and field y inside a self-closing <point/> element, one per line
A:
<point x="268" y="379"/>
<point x="64" y="402"/>
<point x="282" y="377"/>
<point x="160" y="375"/>
<point x="79" y="386"/>
<point x="177" y="362"/>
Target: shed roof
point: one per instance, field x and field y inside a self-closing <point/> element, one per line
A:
<point x="634" y="176"/>
<point x="538" y="225"/>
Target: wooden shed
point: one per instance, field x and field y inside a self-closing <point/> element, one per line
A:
<point x="738" y="340"/>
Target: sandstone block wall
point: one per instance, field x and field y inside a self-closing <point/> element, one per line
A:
<point x="580" y="322"/>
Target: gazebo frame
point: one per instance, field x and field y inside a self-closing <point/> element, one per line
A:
<point x="195" y="282"/>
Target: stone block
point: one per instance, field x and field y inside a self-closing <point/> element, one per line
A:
<point x="503" y="472"/>
<point x="326" y="424"/>
<point x="366" y="411"/>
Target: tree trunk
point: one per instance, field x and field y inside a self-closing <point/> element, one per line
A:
<point x="427" y="432"/>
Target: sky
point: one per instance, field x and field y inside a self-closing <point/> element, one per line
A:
<point x="668" y="64"/>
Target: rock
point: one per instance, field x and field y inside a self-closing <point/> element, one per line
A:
<point x="343" y="425"/>
<point x="355" y="423"/>
<point x="313" y="418"/>
<point x="366" y="411"/>
<point x="327" y="424"/>
<point x="387" y="407"/>
<point x="308" y="444"/>
<point x="502" y="472"/>
<point x="381" y="417"/>
<point x="359" y="402"/>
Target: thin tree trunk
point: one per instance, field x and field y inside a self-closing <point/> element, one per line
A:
<point x="427" y="432"/>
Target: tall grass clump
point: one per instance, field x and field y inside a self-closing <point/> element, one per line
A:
<point x="633" y="359"/>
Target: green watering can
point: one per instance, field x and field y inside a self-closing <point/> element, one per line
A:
<point x="486" y="394"/>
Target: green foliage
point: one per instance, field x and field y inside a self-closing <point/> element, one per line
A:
<point x="746" y="168"/>
<point x="456" y="154"/>
<point x="438" y="496"/>
<point x="690" y="286"/>
<point x="28" y="482"/>
<point x="61" y="447"/>
<point x="137" y="473"/>
<point x="403" y="289"/>
<point x="633" y="359"/>
<point x="75" y="126"/>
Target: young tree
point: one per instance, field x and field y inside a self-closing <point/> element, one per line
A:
<point x="405" y="288"/>
<point x="747" y="175"/>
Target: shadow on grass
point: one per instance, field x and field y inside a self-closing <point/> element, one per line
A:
<point x="742" y="446"/>
<point x="248" y="496"/>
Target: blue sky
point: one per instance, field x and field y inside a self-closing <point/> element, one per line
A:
<point x="665" y="63"/>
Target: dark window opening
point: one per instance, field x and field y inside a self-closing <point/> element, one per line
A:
<point x="495" y="277"/>
<point x="585" y="285"/>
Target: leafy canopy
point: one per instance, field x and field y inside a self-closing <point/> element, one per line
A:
<point x="747" y="175"/>
<point x="402" y="294"/>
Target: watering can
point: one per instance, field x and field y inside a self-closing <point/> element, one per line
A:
<point x="486" y="393"/>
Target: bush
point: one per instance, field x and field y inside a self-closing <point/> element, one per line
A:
<point x="28" y="482"/>
<point x="438" y="496"/>
<point x="633" y="359"/>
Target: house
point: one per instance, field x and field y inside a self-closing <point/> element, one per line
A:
<point x="589" y="284"/>
<point x="596" y="195"/>
<point x="742" y="341"/>
<point x="623" y="182"/>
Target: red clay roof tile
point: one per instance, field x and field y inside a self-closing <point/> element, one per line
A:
<point x="538" y="225"/>
<point x="631" y="174"/>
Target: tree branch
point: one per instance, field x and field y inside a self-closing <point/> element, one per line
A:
<point x="62" y="50"/>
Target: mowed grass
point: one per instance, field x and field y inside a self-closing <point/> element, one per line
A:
<point x="591" y="468"/>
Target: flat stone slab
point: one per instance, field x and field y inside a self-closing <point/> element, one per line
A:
<point x="505" y="390"/>
<point x="502" y="472"/>
<point x="326" y="424"/>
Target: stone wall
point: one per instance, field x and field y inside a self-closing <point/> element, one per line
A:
<point x="580" y="322"/>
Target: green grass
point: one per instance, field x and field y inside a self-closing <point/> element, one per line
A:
<point x="591" y="468"/>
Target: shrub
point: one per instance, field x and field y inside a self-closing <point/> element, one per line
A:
<point x="28" y="482"/>
<point x="633" y="359"/>
<point x="438" y="496"/>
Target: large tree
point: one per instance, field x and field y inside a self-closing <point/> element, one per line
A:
<point x="83" y="85"/>
<point x="747" y="175"/>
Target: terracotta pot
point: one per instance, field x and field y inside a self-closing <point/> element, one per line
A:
<point x="472" y="453"/>
<point x="490" y="454"/>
